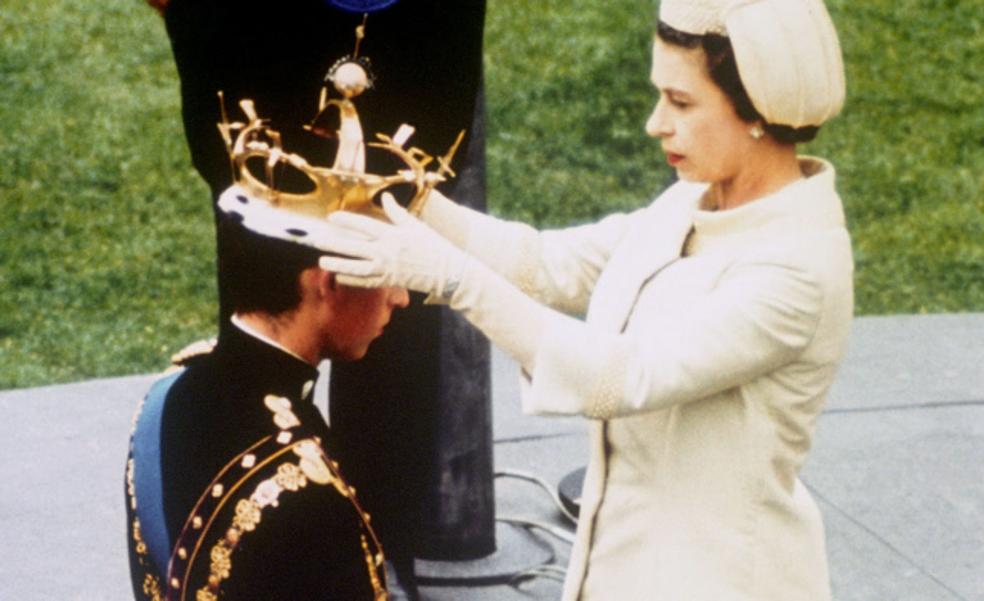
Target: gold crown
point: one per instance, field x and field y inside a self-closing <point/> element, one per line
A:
<point x="345" y="186"/>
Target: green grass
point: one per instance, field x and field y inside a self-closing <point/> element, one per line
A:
<point x="106" y="248"/>
<point x="106" y="243"/>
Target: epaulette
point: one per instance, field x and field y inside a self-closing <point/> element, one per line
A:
<point x="191" y="353"/>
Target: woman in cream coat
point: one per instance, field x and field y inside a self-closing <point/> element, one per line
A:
<point x="699" y="334"/>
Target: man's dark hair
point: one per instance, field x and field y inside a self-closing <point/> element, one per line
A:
<point x="263" y="272"/>
<point x="724" y="72"/>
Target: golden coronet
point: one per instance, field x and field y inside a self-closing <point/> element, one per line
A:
<point x="345" y="185"/>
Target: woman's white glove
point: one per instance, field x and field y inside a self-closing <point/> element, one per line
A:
<point x="409" y="254"/>
<point x="405" y="253"/>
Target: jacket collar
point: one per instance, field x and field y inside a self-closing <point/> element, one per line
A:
<point x="811" y="199"/>
<point x="275" y="370"/>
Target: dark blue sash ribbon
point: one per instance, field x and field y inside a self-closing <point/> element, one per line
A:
<point x="147" y="481"/>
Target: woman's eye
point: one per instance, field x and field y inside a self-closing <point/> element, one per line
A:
<point x="674" y="101"/>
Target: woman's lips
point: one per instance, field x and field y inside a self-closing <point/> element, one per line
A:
<point x="673" y="159"/>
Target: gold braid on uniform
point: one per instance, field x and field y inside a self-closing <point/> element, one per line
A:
<point x="312" y="466"/>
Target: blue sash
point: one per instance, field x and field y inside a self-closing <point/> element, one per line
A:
<point x="147" y="481"/>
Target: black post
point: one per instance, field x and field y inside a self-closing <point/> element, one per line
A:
<point x="458" y="511"/>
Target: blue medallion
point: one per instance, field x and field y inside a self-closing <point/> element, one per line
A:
<point x="361" y="6"/>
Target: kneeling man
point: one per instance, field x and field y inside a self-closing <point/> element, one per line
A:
<point x="230" y="489"/>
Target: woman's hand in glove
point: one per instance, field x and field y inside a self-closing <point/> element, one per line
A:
<point x="409" y="254"/>
<point x="405" y="253"/>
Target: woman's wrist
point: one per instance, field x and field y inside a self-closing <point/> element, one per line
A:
<point x="448" y="218"/>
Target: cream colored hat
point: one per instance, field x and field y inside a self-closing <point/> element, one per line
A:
<point x="787" y="52"/>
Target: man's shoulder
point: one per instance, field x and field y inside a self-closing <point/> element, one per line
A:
<point x="204" y="377"/>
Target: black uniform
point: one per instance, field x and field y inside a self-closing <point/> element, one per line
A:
<point x="427" y="59"/>
<point x="239" y="498"/>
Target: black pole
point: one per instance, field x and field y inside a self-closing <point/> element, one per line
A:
<point x="458" y="505"/>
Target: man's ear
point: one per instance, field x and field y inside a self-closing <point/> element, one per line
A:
<point x="326" y="283"/>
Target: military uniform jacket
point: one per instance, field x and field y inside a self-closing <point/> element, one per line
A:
<point x="255" y="508"/>
<point x="704" y="373"/>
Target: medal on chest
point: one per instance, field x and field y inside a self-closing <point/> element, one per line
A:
<point x="362" y="6"/>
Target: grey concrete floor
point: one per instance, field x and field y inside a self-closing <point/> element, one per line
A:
<point x="896" y="468"/>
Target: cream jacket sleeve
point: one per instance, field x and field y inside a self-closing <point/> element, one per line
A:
<point x="558" y="268"/>
<point x="761" y="315"/>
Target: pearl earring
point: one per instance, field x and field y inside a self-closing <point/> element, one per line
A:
<point x="756" y="131"/>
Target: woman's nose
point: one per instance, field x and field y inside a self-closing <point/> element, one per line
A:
<point x="657" y="125"/>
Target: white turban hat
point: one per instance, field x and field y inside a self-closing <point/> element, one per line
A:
<point x="787" y="52"/>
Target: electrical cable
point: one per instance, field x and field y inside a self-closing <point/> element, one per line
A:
<point x="549" y="571"/>
<point x="564" y="535"/>
<point x="510" y="473"/>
